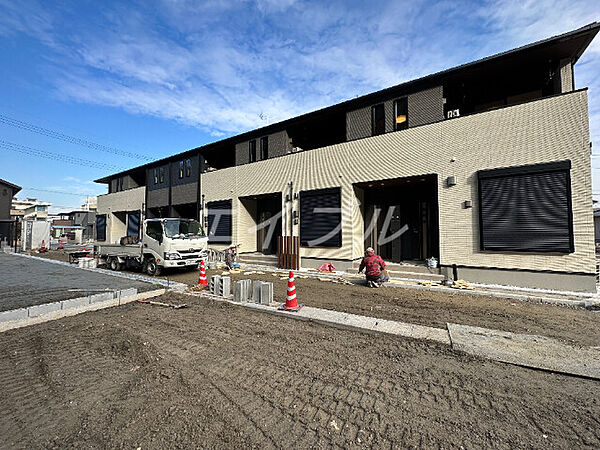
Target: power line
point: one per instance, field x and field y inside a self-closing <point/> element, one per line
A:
<point x="56" y="156"/>
<point x="59" y="192"/>
<point x="70" y="139"/>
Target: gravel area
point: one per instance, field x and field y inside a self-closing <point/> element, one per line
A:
<point x="216" y="375"/>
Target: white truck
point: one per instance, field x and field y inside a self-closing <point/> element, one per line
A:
<point x="164" y="243"/>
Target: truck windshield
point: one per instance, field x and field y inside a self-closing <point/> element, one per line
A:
<point x="183" y="229"/>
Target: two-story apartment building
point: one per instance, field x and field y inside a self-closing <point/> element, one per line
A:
<point x="485" y="166"/>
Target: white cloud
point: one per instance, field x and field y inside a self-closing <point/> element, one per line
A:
<point x="218" y="65"/>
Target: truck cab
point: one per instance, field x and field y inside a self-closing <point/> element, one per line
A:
<point x="173" y="242"/>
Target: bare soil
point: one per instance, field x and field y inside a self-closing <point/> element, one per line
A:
<point x="219" y="376"/>
<point x="430" y="308"/>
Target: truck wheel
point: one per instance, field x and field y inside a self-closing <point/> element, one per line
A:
<point x="114" y="264"/>
<point x="152" y="268"/>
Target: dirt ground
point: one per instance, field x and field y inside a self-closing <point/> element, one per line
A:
<point x="429" y="308"/>
<point x="216" y="375"/>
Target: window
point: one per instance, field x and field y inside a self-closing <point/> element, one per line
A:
<point x="219" y="221"/>
<point x="264" y="147"/>
<point x="155" y="176"/>
<point x="526" y="208"/>
<point x="133" y="224"/>
<point x="321" y="218"/>
<point x="188" y="167"/>
<point x="180" y="169"/>
<point x="252" y="150"/>
<point x="377" y="120"/>
<point x="121" y="184"/>
<point x="162" y="175"/>
<point x="101" y="227"/>
<point x="401" y="114"/>
<point x="154" y="230"/>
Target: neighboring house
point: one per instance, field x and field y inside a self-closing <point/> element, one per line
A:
<point x="30" y="209"/>
<point x="484" y="166"/>
<point x="86" y="220"/>
<point x="7" y="223"/>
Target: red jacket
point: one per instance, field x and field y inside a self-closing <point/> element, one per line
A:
<point x="374" y="265"/>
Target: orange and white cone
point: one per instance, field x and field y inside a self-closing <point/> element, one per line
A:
<point x="202" y="277"/>
<point x="291" y="302"/>
<point x="60" y="246"/>
<point x="43" y="247"/>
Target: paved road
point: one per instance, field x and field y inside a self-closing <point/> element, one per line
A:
<point x="26" y="282"/>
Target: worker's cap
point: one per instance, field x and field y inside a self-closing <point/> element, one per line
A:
<point x="370" y="250"/>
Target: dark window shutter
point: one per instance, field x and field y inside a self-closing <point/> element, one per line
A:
<point x="133" y="224"/>
<point x="317" y="227"/>
<point x="101" y="227"/>
<point x="222" y="231"/>
<point x="526" y="209"/>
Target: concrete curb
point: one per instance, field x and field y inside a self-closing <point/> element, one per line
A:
<point x="346" y="320"/>
<point x="527" y="350"/>
<point x="179" y="287"/>
<point x="33" y="315"/>
<point x="532" y="351"/>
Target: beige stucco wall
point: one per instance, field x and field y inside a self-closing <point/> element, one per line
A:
<point x="545" y="130"/>
<point x="119" y="202"/>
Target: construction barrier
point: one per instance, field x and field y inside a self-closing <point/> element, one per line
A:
<point x="202" y="276"/>
<point x="291" y="302"/>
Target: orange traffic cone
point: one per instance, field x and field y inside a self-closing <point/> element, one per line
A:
<point x="291" y="302"/>
<point x="60" y="246"/>
<point x="43" y="247"/>
<point x="202" y="277"/>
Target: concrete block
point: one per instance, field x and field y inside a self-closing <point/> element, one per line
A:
<point x="248" y="284"/>
<point x="127" y="292"/>
<point x="38" y="310"/>
<point x="75" y="302"/>
<point x="215" y="282"/>
<point x="225" y="287"/>
<point x="103" y="297"/>
<point x="256" y="291"/>
<point x="240" y="291"/>
<point x="266" y="293"/>
<point x="13" y="314"/>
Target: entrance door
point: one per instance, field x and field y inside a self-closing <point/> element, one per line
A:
<point x="269" y="222"/>
<point x="400" y="231"/>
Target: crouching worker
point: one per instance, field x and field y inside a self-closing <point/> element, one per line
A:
<point x="375" y="267"/>
<point x="230" y="254"/>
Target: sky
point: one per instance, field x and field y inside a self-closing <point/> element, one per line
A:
<point x="89" y="88"/>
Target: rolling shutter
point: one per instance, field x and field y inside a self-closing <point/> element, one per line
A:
<point x="321" y="218"/>
<point x="527" y="208"/>
<point x="222" y="229"/>
<point x="133" y="224"/>
<point x="101" y="227"/>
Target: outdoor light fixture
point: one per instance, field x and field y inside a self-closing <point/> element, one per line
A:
<point x="468" y="204"/>
<point x="451" y="181"/>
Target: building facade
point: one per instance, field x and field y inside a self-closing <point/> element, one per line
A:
<point x="7" y="222"/>
<point x="485" y="167"/>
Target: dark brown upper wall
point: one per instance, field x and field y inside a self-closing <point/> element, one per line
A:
<point x="424" y="107"/>
<point x="279" y="145"/>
